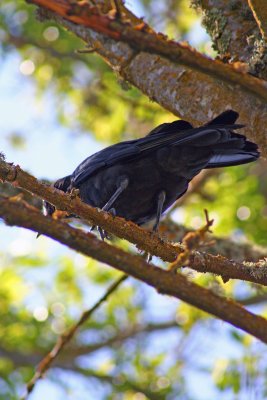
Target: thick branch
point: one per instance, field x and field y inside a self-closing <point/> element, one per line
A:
<point x="176" y="285"/>
<point x="235" y="33"/>
<point x="145" y="40"/>
<point x="190" y="94"/>
<point x="229" y="24"/>
<point x="259" y="9"/>
<point x="121" y="228"/>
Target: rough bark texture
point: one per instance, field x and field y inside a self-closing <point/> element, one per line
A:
<point x="234" y="32"/>
<point x="259" y="9"/>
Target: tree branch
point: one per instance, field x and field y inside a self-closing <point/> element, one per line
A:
<point x="172" y="231"/>
<point x="125" y="384"/>
<point x="142" y="39"/>
<point x="259" y="9"/>
<point x="229" y="23"/>
<point x="253" y="299"/>
<point x="176" y="285"/>
<point x="21" y="359"/>
<point x="153" y="64"/>
<point x="234" y="33"/>
<point x="145" y="240"/>
<point x="64" y="339"/>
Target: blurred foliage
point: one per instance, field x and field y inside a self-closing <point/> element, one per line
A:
<point x="43" y="290"/>
<point x="238" y="203"/>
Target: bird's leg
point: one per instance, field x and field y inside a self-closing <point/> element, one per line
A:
<point x="112" y="211"/>
<point x="161" y="200"/>
<point x="102" y="233"/>
<point x="123" y="185"/>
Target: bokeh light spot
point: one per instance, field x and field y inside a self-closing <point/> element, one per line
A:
<point x="243" y="213"/>
<point x="27" y="67"/>
<point x="40" y="313"/>
<point x="51" y="34"/>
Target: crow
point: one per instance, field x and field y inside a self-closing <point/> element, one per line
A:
<point x="140" y="179"/>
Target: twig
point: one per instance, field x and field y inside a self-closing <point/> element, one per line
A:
<point x="259" y="9"/>
<point x="191" y="241"/>
<point x="145" y="240"/>
<point x="117" y="8"/>
<point x="226" y="247"/>
<point x="176" y="285"/>
<point x="64" y="339"/>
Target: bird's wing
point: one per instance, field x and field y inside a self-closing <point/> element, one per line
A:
<point x="174" y="133"/>
<point x="103" y="159"/>
<point x="126" y="150"/>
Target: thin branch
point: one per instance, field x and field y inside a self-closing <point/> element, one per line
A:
<point x="175" y="285"/>
<point x="120" y="337"/>
<point x="145" y="240"/>
<point x="117" y="6"/>
<point x="123" y="383"/>
<point x="254" y="299"/>
<point x="259" y="9"/>
<point x="64" y="339"/>
<point x="21" y="359"/>
<point x="191" y="241"/>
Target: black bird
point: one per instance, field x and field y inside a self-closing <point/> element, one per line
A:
<point x="139" y="179"/>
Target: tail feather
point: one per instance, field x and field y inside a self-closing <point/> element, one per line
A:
<point x="227" y="117"/>
<point x="238" y="151"/>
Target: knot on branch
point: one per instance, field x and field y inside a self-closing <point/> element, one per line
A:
<point x="9" y="171"/>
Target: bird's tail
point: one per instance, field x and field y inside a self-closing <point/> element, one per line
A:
<point x="236" y="150"/>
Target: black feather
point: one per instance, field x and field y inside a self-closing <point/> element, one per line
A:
<point x="135" y="172"/>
